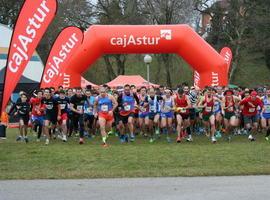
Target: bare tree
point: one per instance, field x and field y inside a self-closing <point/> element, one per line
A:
<point x="167" y="12"/>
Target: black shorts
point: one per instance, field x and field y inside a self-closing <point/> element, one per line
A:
<point x="124" y="119"/>
<point x="25" y="119"/>
<point x="116" y="118"/>
<point x="136" y="115"/>
<point x="51" y="117"/>
<point x="193" y="114"/>
<point x="90" y="119"/>
<point x="184" y="116"/>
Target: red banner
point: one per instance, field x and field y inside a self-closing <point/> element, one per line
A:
<point x="32" y="22"/>
<point x="63" y="48"/>
<point x="226" y="53"/>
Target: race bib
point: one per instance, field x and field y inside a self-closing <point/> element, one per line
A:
<point x="216" y="107"/>
<point x="251" y="110"/>
<point x="230" y="109"/>
<point x="79" y="107"/>
<point x="89" y="110"/>
<point x="208" y="109"/>
<point x="267" y="109"/>
<point x="104" y="108"/>
<point x="152" y="108"/>
<point x="167" y="108"/>
<point x="127" y="107"/>
<point x="49" y="106"/>
<point x="62" y="106"/>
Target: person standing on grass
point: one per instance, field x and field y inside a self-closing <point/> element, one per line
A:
<point x="76" y="106"/>
<point x="127" y="102"/>
<point x="23" y="112"/>
<point x="143" y="111"/>
<point x="105" y="105"/>
<point x="89" y="112"/>
<point x="182" y="104"/>
<point x="52" y="113"/>
<point x="229" y="104"/>
<point x="63" y="102"/>
<point x="249" y="110"/>
<point x="217" y="110"/>
<point x="37" y="116"/>
<point x="265" y="116"/>
<point x="166" y="113"/>
<point x="152" y="102"/>
<point x="207" y="103"/>
<point x="70" y="113"/>
<point x="193" y="111"/>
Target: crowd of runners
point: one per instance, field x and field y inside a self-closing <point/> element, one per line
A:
<point x="151" y="112"/>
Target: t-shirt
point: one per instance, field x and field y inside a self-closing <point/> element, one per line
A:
<point x="251" y="106"/>
<point x="154" y="103"/>
<point x="50" y="105"/>
<point x="78" y="102"/>
<point x="63" y="104"/>
<point x="36" y="106"/>
<point x="23" y="108"/>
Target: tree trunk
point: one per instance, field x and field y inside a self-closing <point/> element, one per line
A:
<point x="167" y="60"/>
<point x="121" y="61"/>
<point x="110" y="73"/>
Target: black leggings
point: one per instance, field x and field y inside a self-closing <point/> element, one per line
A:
<point x="78" y="121"/>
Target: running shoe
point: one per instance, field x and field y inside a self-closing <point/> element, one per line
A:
<point x="126" y="138"/>
<point x="251" y="138"/>
<point x="132" y="137"/>
<point x="85" y="133"/>
<point x="213" y="140"/>
<point x="267" y="138"/>
<point x="64" y="139"/>
<point x="151" y="140"/>
<point x="47" y="141"/>
<point x="81" y="141"/>
<point x="122" y="138"/>
<point x="26" y="140"/>
<point x="218" y="134"/>
<point x="189" y="138"/>
<point x="157" y="131"/>
<point x="19" y="138"/>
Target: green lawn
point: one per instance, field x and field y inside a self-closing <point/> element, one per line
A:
<point x="140" y="159"/>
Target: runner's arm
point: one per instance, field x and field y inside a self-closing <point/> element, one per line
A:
<point x="114" y="102"/>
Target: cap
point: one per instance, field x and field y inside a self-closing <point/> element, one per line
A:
<point x="253" y="93"/>
<point x="228" y="92"/>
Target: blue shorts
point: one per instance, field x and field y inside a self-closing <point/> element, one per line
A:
<point x="167" y="115"/>
<point x="152" y="115"/>
<point x="143" y="115"/>
<point x="266" y="115"/>
<point x="37" y="119"/>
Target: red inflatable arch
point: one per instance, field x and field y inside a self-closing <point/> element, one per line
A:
<point x="127" y="39"/>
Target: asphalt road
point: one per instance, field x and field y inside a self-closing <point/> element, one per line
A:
<point x="210" y="188"/>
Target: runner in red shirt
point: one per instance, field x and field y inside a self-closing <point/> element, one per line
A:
<point x="249" y="110"/>
<point x="229" y="104"/>
<point x="207" y="104"/>
<point x="182" y="104"/>
<point x="37" y="115"/>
